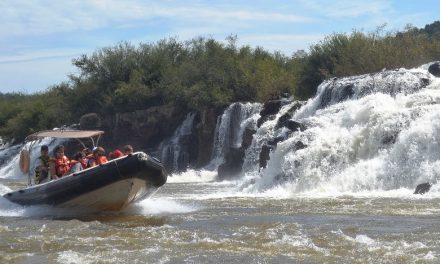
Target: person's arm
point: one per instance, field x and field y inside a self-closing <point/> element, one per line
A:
<point x="52" y="170"/>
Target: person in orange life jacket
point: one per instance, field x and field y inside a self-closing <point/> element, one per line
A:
<point x="99" y="156"/>
<point x="78" y="163"/>
<point x="59" y="164"/>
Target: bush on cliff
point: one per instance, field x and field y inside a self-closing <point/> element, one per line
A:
<point x="204" y="73"/>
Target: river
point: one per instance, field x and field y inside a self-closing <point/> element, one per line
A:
<point x="335" y="186"/>
<point x="214" y="222"/>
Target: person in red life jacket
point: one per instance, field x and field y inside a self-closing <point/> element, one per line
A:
<point x="115" y="154"/>
<point x="59" y="165"/>
<point x="99" y="156"/>
<point x="78" y="163"/>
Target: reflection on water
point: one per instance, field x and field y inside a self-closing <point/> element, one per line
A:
<point x="210" y="223"/>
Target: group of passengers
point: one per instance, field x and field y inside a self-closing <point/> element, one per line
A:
<point x="51" y="168"/>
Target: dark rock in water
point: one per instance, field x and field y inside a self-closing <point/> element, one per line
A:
<point x="264" y="155"/>
<point x="285" y="118"/>
<point x="389" y="139"/>
<point x="248" y="135"/>
<point x="282" y="120"/>
<point x="423" y="188"/>
<point x="299" y="145"/>
<point x="434" y="69"/>
<point x="294" y="125"/>
<point x="232" y="165"/>
<point x="90" y="121"/>
<point x="270" y="108"/>
<point x="275" y="141"/>
<point x="424" y="82"/>
<point x="206" y="134"/>
<point x="263" y="119"/>
<point x="335" y="92"/>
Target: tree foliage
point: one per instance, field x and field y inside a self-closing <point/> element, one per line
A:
<point x="203" y="73"/>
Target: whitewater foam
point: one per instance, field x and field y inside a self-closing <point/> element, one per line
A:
<point x="160" y="206"/>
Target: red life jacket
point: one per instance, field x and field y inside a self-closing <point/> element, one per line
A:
<point x="82" y="161"/>
<point x="61" y="165"/>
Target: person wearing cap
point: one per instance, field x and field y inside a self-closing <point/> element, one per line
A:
<point x="128" y="149"/>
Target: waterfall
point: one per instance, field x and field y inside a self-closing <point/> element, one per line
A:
<point x="374" y="132"/>
<point x="230" y="129"/>
<point x="11" y="155"/>
<point x="175" y="152"/>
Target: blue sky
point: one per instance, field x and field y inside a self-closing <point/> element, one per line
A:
<point x="39" y="38"/>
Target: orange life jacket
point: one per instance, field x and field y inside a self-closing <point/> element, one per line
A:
<point x="61" y="165"/>
<point x="101" y="160"/>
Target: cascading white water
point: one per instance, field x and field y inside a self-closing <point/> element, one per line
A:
<point x="230" y="128"/>
<point x="11" y="168"/>
<point x="384" y="139"/>
<point x="173" y="153"/>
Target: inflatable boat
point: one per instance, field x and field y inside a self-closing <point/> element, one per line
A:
<point x="110" y="186"/>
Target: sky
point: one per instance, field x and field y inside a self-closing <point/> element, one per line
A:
<point x="39" y="38"/>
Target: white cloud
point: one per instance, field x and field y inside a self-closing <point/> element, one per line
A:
<point x="24" y="17"/>
<point x="41" y="54"/>
<point x="349" y="8"/>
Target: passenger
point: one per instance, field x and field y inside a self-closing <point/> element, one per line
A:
<point x="115" y="154"/>
<point x="88" y="157"/>
<point x="99" y="156"/>
<point x="42" y="168"/>
<point x="78" y="163"/>
<point x="59" y="164"/>
<point x="128" y="149"/>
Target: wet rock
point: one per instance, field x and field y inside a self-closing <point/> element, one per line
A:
<point x="248" y="135"/>
<point x="275" y="141"/>
<point x="264" y="155"/>
<point x="206" y="134"/>
<point x="294" y="125"/>
<point x="300" y="145"/>
<point x="389" y="139"/>
<point x="232" y="165"/>
<point x="423" y="188"/>
<point x="337" y="93"/>
<point x="270" y="108"/>
<point x="434" y="69"/>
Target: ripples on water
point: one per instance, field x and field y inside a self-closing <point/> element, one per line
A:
<point x="212" y="223"/>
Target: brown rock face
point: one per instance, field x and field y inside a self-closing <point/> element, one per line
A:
<point x="144" y="129"/>
<point x="206" y="131"/>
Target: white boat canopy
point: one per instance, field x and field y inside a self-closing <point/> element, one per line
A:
<point x="24" y="161"/>
<point x="62" y="133"/>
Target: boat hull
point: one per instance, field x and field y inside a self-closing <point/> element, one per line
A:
<point x="110" y="186"/>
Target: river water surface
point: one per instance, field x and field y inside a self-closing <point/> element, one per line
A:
<point x="208" y="222"/>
